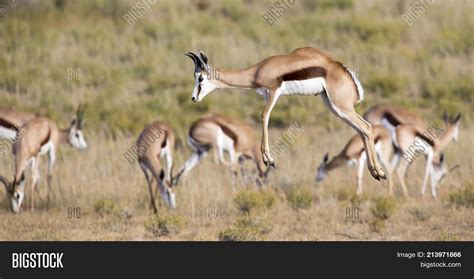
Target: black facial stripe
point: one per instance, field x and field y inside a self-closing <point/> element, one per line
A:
<point x="199" y="90"/>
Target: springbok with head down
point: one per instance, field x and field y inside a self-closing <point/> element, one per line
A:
<point x="40" y="136"/>
<point x="305" y="71"/>
<point x="154" y="142"/>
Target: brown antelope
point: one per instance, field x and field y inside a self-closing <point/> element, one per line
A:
<point x="157" y="141"/>
<point x="411" y="142"/>
<point x="11" y="120"/>
<point x="224" y="134"/>
<point x="40" y="136"/>
<point x="353" y="154"/>
<point x="305" y="71"/>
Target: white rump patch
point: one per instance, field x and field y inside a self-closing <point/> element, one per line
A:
<point x="312" y="86"/>
<point x="360" y="89"/>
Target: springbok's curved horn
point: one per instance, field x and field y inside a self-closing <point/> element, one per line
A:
<point x="197" y="61"/>
<point x="80" y="115"/>
<point x="175" y="179"/>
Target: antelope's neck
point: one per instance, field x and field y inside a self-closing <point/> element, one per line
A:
<point x="63" y="136"/>
<point x="337" y="162"/>
<point x="235" y="78"/>
<point x="444" y="140"/>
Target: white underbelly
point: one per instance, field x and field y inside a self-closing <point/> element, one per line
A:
<point x="6" y="133"/>
<point x="312" y="86"/>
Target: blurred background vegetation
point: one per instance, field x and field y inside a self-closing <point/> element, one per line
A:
<point x="132" y="75"/>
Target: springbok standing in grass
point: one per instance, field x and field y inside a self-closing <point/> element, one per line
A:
<point x="40" y="136"/>
<point x="305" y="71"/>
<point x="224" y="134"/>
<point x="411" y="142"/>
<point x="156" y="141"/>
<point x="353" y="154"/>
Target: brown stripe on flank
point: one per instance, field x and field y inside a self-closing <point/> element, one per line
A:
<point x="425" y="138"/>
<point x="8" y="125"/>
<point x="46" y="140"/>
<point x="305" y="73"/>
<point x="391" y="119"/>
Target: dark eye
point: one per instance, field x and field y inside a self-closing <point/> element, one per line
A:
<point x="77" y="135"/>
<point x="200" y="78"/>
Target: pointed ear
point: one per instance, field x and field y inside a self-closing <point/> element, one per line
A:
<point x="458" y="117"/>
<point x="326" y="158"/>
<point x="203" y="57"/>
<point x="445" y="116"/>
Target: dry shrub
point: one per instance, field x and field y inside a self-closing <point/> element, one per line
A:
<point x="421" y="214"/>
<point x="248" y="200"/>
<point x="247" y="228"/>
<point x="446" y="236"/>
<point x="383" y="208"/>
<point x="162" y="225"/>
<point x="463" y="197"/>
<point x="299" y="197"/>
<point x="106" y="206"/>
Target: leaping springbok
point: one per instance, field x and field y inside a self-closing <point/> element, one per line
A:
<point x="224" y="134"/>
<point x="411" y="141"/>
<point x="305" y="71"/>
<point x="154" y="142"/>
<point x="40" y="136"/>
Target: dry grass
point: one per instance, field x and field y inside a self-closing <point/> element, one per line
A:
<point x="113" y="199"/>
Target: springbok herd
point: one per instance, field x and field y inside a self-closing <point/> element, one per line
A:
<point x="388" y="139"/>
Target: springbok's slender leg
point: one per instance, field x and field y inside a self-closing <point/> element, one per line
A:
<point x="363" y="128"/>
<point x="401" y="171"/>
<point x="428" y="167"/>
<point x="393" y="167"/>
<point x="384" y="157"/>
<point x="272" y="100"/>
<point x="51" y="161"/>
<point x="34" y="180"/>
<point x="149" y="181"/>
<point x="360" y="173"/>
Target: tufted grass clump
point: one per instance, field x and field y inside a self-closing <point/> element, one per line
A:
<point x="105" y="207"/>
<point x="162" y="225"/>
<point x="421" y="214"/>
<point x="248" y="201"/>
<point x="299" y="197"/>
<point x="247" y="228"/>
<point x="463" y="197"/>
<point x="383" y="208"/>
<point x="446" y="236"/>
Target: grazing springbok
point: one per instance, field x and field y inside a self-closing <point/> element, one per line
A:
<point x="411" y="142"/>
<point x="224" y="134"/>
<point x="305" y="71"/>
<point x="154" y="142"/>
<point x="353" y="154"/>
<point x="40" y="136"/>
<point x="11" y="120"/>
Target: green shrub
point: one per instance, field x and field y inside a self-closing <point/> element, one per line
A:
<point x="299" y="197"/>
<point x="106" y="206"/>
<point x="446" y="236"/>
<point x="383" y="208"/>
<point x="247" y="228"/>
<point x="249" y="200"/>
<point x="463" y="197"/>
<point x="161" y="225"/>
